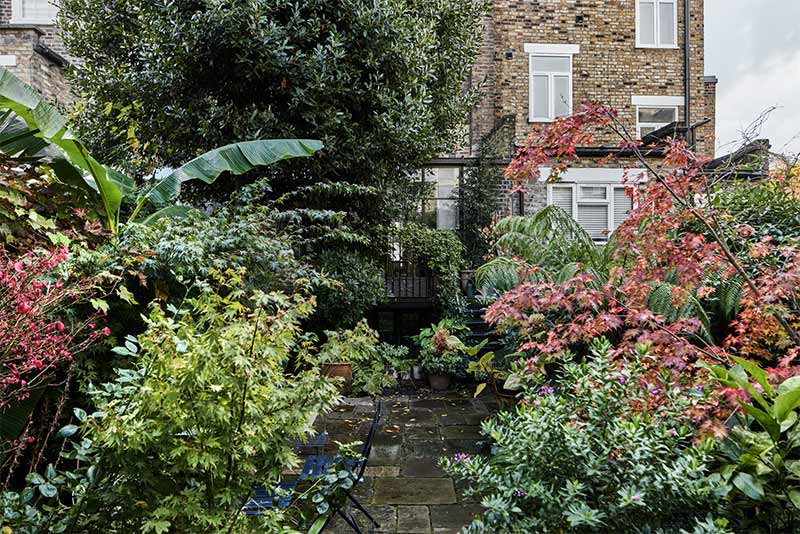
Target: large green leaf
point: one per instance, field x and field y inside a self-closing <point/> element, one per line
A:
<point x="749" y="485"/>
<point x="237" y="158"/>
<point x="51" y="126"/>
<point x="786" y="403"/>
<point x="759" y="374"/>
<point x="175" y="212"/>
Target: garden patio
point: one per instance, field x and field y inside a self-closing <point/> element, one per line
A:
<point x="404" y="487"/>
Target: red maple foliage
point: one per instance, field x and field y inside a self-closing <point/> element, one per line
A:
<point x="673" y="234"/>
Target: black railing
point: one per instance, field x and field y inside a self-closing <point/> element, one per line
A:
<point x="409" y="280"/>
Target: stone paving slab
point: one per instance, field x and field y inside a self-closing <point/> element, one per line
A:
<point x="451" y="515"/>
<point x="421" y="467"/>
<point x="413" y="520"/>
<point x="405" y="490"/>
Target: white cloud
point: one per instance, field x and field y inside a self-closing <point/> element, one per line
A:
<point x="753" y="46"/>
<point x="773" y="82"/>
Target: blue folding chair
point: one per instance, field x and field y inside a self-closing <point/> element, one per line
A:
<point x="317" y="465"/>
<point x="266" y="499"/>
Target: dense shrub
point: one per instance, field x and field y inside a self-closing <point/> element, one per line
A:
<point x="441" y="252"/>
<point x="586" y="453"/>
<point x="46" y="323"/>
<point x="759" y="462"/>
<point x="361" y="285"/>
<point x="205" y="411"/>
<point x="381" y="84"/>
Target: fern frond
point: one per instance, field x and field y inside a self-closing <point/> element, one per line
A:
<point x="498" y="275"/>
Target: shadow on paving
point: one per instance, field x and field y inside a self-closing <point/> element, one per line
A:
<point x="404" y="488"/>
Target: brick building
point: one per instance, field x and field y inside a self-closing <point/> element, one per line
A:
<point x="31" y="48"/>
<point x="541" y="58"/>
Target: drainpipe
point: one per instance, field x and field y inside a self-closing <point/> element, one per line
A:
<point x="687" y="70"/>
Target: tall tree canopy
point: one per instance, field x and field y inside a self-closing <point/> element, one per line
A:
<point x="380" y="82"/>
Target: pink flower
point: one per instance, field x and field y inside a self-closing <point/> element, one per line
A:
<point x="106" y="331"/>
<point x="60" y="326"/>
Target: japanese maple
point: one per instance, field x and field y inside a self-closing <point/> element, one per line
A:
<point x="672" y="245"/>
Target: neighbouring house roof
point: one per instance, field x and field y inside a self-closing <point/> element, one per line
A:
<point x="750" y="162"/>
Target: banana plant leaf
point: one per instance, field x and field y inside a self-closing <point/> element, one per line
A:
<point x="17" y="141"/>
<point x="49" y="125"/>
<point x="237" y="158"/>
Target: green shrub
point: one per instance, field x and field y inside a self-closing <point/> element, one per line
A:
<point x="373" y="362"/>
<point x="441" y="252"/>
<point x="361" y="285"/>
<point x="587" y="455"/>
<point x="760" y="459"/>
<point x="440" y="349"/>
<point x="206" y="411"/>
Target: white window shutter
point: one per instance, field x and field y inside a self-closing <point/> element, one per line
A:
<point x="622" y="205"/>
<point x="594" y="219"/>
<point x="562" y="197"/>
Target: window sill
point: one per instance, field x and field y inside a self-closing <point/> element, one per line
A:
<point x="31" y="22"/>
<point x="657" y="47"/>
<point x="532" y="120"/>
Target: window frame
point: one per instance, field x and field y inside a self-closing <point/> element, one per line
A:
<point x="655" y="125"/>
<point x="17" y="18"/>
<point x="550" y="50"/>
<point x="575" y="185"/>
<point x="439" y="201"/>
<point x="657" y="21"/>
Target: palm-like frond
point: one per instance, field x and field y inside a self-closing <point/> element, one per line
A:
<point x="498" y="275"/>
<point x="550" y="239"/>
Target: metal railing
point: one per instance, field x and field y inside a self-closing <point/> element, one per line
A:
<point x="409" y="280"/>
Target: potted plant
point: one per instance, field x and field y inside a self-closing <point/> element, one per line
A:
<point x="364" y="364"/>
<point x="443" y="354"/>
<point x="504" y="382"/>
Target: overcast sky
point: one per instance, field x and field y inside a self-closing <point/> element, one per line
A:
<point x="753" y="47"/>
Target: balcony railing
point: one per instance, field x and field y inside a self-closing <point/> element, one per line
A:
<point x="409" y="280"/>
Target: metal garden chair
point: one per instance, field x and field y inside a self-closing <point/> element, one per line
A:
<point x="315" y="466"/>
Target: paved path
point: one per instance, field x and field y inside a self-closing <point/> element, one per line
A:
<point x="404" y="489"/>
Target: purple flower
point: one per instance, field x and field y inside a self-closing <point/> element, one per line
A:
<point x="521" y="493"/>
<point x="462" y="457"/>
<point x="700" y="389"/>
<point x="673" y="431"/>
<point x="655" y="391"/>
<point x="636" y="498"/>
<point x="546" y="390"/>
<point x="621" y="379"/>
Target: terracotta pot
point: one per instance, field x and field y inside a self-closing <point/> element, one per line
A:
<point x="439" y="382"/>
<point x="343" y="370"/>
<point x="505" y="397"/>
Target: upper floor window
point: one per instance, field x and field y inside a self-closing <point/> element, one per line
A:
<point x="657" y="23"/>
<point x="34" y="11"/>
<point x="550" y="79"/>
<point x="652" y="119"/>
<point x="655" y="112"/>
